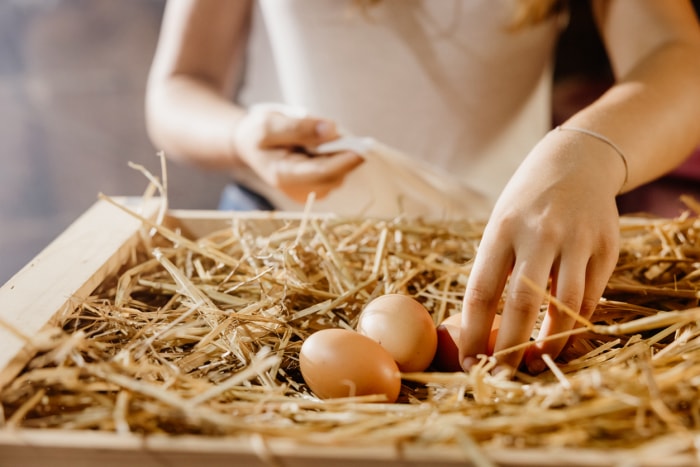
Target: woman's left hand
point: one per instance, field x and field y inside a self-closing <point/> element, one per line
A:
<point x="556" y="219"/>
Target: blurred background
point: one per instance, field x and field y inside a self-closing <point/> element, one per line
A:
<point x="72" y="81"/>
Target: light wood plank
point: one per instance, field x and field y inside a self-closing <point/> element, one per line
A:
<point x="63" y="448"/>
<point x="69" y="268"/>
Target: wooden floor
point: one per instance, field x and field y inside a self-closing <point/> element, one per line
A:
<point x="72" y="76"/>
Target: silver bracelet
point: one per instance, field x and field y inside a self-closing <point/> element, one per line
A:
<point x="603" y="139"/>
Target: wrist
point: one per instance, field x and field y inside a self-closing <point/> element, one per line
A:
<point x="592" y="154"/>
<point x="603" y="139"/>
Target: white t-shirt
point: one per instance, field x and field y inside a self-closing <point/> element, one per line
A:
<point x="444" y="82"/>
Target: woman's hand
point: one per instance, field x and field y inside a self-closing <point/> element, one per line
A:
<point x="279" y="148"/>
<point x="556" y="219"/>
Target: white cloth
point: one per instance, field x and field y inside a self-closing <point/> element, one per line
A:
<point x="444" y="83"/>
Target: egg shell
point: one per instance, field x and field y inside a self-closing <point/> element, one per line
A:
<point x="447" y="354"/>
<point x="404" y="327"/>
<point x="342" y="363"/>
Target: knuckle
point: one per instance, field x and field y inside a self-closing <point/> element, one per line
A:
<point x="570" y="301"/>
<point x="524" y="301"/>
<point x="552" y="233"/>
<point x="608" y="247"/>
<point x="504" y="225"/>
<point x="306" y="127"/>
<point x="478" y="297"/>
<point x="588" y="306"/>
<point x="276" y="125"/>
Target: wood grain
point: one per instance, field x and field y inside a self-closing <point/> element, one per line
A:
<point x="68" y="269"/>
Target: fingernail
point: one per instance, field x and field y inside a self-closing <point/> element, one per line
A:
<point x="536" y="366"/>
<point x="468" y="363"/>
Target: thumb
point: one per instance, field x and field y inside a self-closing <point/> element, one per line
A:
<point x="284" y="130"/>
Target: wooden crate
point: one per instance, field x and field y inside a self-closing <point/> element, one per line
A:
<point x="93" y="248"/>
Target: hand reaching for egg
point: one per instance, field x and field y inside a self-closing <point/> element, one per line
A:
<point x="447" y="355"/>
<point x="395" y="334"/>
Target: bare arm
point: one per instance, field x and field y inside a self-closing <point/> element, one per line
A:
<point x="191" y="115"/>
<point x="557" y="219"/>
<point x="653" y="111"/>
<point x="188" y="110"/>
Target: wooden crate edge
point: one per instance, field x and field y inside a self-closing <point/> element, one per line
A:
<point x="68" y="269"/>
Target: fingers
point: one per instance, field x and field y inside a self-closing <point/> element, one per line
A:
<point x="531" y="257"/>
<point x="272" y="144"/>
<point x="578" y="281"/>
<point x="568" y="286"/>
<point x="522" y="305"/>
<point x="481" y="300"/>
<point x="297" y="175"/>
<point x="577" y="286"/>
<point x="284" y="130"/>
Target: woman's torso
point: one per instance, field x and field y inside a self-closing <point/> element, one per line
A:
<point x="447" y="82"/>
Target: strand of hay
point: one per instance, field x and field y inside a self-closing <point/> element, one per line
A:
<point x="201" y="336"/>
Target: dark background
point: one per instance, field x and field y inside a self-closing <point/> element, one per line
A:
<point x="72" y="79"/>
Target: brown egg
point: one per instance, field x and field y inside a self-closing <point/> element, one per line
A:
<point x="343" y="363"/>
<point x="402" y="326"/>
<point x="447" y="354"/>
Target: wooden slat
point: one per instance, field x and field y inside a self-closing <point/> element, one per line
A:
<point x="65" y="448"/>
<point x="69" y="268"/>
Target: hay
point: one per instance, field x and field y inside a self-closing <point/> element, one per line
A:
<point x="201" y="336"/>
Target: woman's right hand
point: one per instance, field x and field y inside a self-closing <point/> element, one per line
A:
<point x="279" y="148"/>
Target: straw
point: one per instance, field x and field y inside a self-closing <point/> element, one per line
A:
<point x="201" y="336"/>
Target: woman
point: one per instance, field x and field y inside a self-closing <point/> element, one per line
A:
<point x="461" y="87"/>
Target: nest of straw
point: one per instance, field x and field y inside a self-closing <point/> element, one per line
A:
<point x="201" y="336"/>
